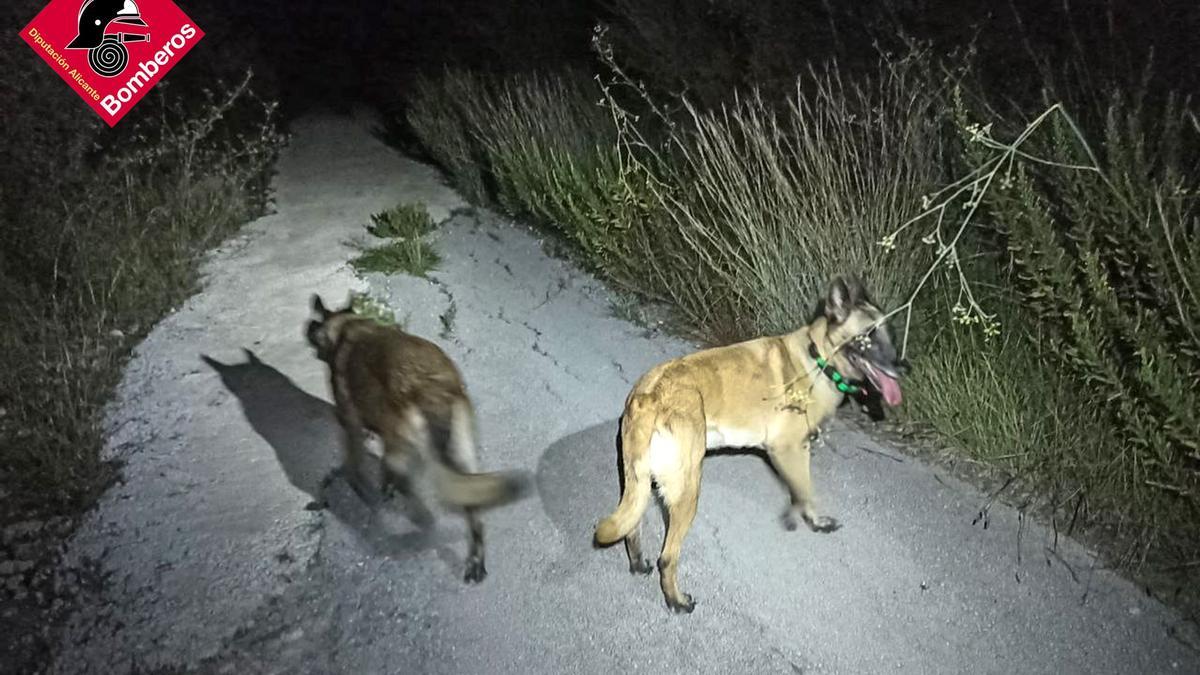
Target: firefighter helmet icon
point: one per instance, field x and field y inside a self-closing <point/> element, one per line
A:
<point x="107" y="54"/>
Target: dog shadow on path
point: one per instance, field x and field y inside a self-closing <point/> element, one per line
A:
<point x="304" y="433"/>
<point x="578" y="479"/>
<point x="578" y="483"/>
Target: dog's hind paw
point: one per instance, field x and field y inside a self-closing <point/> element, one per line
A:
<point x="369" y="496"/>
<point x="824" y="524"/>
<point x="642" y="566"/>
<point x="685" y="607"/>
<point x="790" y="521"/>
<point x="476" y="572"/>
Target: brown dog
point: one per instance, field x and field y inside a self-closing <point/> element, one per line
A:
<point x="772" y="393"/>
<point x="408" y="392"/>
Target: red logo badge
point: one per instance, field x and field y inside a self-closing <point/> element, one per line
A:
<point x="111" y="52"/>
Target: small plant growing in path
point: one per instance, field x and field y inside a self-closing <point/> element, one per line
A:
<point x="373" y="308"/>
<point x="408" y="250"/>
<point x="628" y="307"/>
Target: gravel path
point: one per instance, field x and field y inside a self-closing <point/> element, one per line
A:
<point x="215" y="560"/>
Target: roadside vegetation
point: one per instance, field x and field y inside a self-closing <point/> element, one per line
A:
<point x="406" y="229"/>
<point x="101" y="233"/>
<point x="95" y="256"/>
<point x="1037" y="233"/>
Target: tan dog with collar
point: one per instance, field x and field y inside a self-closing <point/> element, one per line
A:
<point x="771" y="393"/>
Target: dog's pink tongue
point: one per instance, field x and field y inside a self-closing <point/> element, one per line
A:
<point x="889" y="388"/>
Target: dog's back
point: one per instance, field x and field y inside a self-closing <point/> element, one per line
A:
<point x="387" y="371"/>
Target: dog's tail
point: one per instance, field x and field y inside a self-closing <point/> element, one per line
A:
<point x="636" y="430"/>
<point x="455" y="466"/>
<point x="478" y="490"/>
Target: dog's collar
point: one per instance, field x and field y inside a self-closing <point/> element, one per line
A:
<point x="843" y="384"/>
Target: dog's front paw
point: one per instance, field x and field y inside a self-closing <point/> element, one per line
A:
<point x="476" y="572"/>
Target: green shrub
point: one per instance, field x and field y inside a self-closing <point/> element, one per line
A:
<point x="415" y="257"/>
<point x="403" y="221"/>
<point x="537" y="145"/>
<point x="550" y="150"/>
<point x="434" y="113"/>
<point x="999" y="401"/>
<point x="408" y="250"/>
<point x="1107" y="260"/>
<point x="761" y="205"/>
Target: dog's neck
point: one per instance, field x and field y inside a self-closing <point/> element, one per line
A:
<point x="816" y="333"/>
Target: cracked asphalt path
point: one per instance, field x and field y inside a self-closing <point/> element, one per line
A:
<point x="217" y="559"/>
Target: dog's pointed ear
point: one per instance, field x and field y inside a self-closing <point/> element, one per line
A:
<point x="312" y="333"/>
<point x="840" y="299"/>
<point x="858" y="288"/>
<point x="213" y="363"/>
<point x="251" y="357"/>
<point x="319" y="307"/>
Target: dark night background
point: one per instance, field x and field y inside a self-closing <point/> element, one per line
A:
<point x="372" y="50"/>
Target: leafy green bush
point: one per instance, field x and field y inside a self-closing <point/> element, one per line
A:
<point x="1107" y="260"/>
<point x="1094" y="402"/>
<point x="550" y="150"/>
<point x="996" y="400"/>
<point x="406" y="226"/>
<point x="401" y="221"/>
<point x="543" y="147"/>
